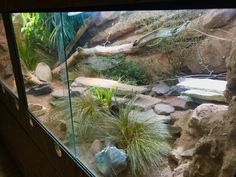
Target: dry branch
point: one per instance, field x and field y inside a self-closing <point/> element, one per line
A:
<point x="124" y="48"/>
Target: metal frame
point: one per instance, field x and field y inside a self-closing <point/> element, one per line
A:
<point x="40" y="137"/>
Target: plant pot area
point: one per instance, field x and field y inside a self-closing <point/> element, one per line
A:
<point x="133" y="93"/>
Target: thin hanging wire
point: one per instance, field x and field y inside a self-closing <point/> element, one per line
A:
<point x="68" y="86"/>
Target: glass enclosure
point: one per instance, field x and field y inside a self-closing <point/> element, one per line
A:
<point x="112" y="85"/>
<point x="6" y="71"/>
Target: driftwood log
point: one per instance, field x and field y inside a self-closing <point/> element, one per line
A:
<point x="129" y="48"/>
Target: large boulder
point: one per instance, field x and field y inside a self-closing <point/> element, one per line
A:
<point x="210" y="52"/>
<point x="218" y="18"/>
<point x="215" y="152"/>
<point x="231" y="74"/>
<point x="201" y="119"/>
<point x="209" y="55"/>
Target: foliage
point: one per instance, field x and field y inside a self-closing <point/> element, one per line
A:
<point x="88" y="118"/>
<point x="145" y="142"/>
<point x="49" y="31"/>
<point x="127" y="71"/>
<point x="86" y="115"/>
<point x="34" y="28"/>
<point x="104" y="96"/>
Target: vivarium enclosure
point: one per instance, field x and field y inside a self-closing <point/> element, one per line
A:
<point x="133" y="93"/>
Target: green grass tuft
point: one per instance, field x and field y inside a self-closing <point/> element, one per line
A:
<point x="145" y="142"/>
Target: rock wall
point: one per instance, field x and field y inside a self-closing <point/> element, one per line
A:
<point x="202" y="48"/>
<point x="215" y="149"/>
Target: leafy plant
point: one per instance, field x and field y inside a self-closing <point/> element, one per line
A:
<point x="48" y="31"/>
<point x="145" y="141"/>
<point x="128" y="72"/>
<point x="35" y="28"/>
<point x="104" y="96"/>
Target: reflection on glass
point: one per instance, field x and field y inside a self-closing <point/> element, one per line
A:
<point x="105" y="83"/>
<point x="41" y="48"/>
<point x="6" y="72"/>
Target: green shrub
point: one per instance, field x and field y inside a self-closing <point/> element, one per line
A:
<point x="128" y="72"/>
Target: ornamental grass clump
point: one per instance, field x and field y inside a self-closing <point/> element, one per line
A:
<point x="145" y="141"/>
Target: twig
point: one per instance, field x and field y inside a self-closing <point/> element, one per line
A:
<point x="202" y="63"/>
<point x="216" y="37"/>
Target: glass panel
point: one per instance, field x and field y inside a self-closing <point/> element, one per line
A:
<point x="111" y="84"/>
<point x="128" y="71"/>
<point x="41" y="47"/>
<point x="6" y="72"/>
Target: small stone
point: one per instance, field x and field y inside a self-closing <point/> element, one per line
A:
<point x="96" y="147"/>
<point x="77" y="90"/>
<point x="60" y="93"/>
<point x="42" y="89"/>
<point x="161" y="88"/>
<point x="177" y="103"/>
<point x="111" y="161"/>
<point x="43" y="72"/>
<point x="163" y="109"/>
<point x="145" y="102"/>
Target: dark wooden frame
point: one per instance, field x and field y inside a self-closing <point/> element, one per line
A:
<point x="33" y="147"/>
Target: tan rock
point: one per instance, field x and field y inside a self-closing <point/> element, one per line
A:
<point x="43" y="72"/>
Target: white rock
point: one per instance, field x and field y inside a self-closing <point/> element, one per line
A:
<point x="210" y="85"/>
<point x="205" y="95"/>
<point x="43" y="72"/>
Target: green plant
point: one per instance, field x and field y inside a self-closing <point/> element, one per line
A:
<point x="128" y="72"/>
<point x="47" y="31"/>
<point x="104" y="96"/>
<point x="145" y="141"/>
<point x="86" y="116"/>
<point x="35" y="28"/>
